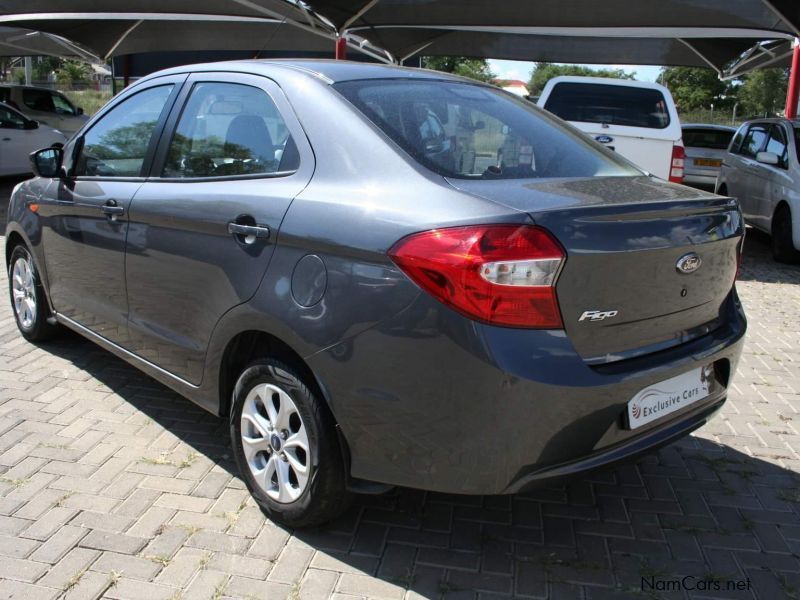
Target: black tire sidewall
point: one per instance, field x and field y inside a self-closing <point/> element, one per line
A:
<point x="312" y="507"/>
<point x="783" y="249"/>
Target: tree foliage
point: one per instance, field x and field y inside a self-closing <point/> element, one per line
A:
<point x="696" y="88"/>
<point x="474" y="68"/>
<point x="763" y="92"/>
<point x="72" y="71"/>
<point x="543" y="72"/>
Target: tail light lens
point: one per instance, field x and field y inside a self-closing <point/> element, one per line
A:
<point x="498" y="274"/>
<point x="678" y="162"/>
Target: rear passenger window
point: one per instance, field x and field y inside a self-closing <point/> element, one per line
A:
<point x="778" y="145"/>
<point x="229" y="129"/>
<point x="737" y="139"/>
<point x="754" y="140"/>
<point x="610" y="104"/>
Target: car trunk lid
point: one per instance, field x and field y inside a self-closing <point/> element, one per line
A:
<point x="620" y="292"/>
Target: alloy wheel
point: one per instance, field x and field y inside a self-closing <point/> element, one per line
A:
<point x="23" y="290"/>
<point x="275" y="443"/>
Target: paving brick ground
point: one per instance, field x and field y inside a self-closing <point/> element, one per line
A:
<point x="112" y="486"/>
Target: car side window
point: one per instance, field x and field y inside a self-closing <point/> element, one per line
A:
<point x="116" y="145"/>
<point x="10" y="119"/>
<point x="778" y="145"/>
<point x="39" y="100"/>
<point x="229" y="129"/>
<point x="737" y="139"/>
<point x="62" y="105"/>
<point x="754" y="140"/>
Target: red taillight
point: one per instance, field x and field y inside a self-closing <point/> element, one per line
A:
<point x="499" y="274"/>
<point x="677" y="164"/>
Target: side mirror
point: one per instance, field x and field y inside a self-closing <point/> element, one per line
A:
<point x="31" y="124"/>
<point x="47" y="162"/>
<point x="79" y="110"/>
<point x="767" y="158"/>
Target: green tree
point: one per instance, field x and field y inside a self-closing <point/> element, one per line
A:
<point x="474" y="68"/>
<point x="44" y="65"/>
<point x="72" y="71"/>
<point x="763" y="92"/>
<point x="695" y="87"/>
<point x="544" y="72"/>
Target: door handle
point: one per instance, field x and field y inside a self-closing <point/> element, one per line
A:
<point x="249" y="233"/>
<point x="111" y="210"/>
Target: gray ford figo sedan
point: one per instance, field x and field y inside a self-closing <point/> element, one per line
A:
<point x="382" y="276"/>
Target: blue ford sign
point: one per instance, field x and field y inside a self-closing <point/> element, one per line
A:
<point x="604" y="139"/>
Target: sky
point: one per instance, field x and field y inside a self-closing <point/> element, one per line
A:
<point x="516" y="69"/>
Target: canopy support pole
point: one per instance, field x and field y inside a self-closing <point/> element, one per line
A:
<point x="793" y="92"/>
<point x="341" y="48"/>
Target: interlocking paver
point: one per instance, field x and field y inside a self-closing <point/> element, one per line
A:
<point x="113" y="486"/>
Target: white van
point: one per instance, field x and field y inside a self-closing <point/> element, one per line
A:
<point x="637" y="119"/>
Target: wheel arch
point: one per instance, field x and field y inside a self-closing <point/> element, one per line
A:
<point x="13" y="239"/>
<point x="251" y="344"/>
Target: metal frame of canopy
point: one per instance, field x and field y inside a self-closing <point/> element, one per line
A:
<point x="349" y="23"/>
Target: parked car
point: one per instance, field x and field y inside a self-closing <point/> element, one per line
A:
<point x="294" y="246"/>
<point x="638" y="119"/>
<point x="19" y="136"/>
<point x="705" y="148"/>
<point x="762" y="170"/>
<point x="48" y="107"/>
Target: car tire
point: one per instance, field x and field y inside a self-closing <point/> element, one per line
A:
<point x="286" y="446"/>
<point x="28" y="301"/>
<point x="783" y="249"/>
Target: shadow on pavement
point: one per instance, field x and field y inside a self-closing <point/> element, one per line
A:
<point x="694" y="509"/>
<point x="758" y="264"/>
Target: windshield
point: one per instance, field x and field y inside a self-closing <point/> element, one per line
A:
<point x="470" y="131"/>
<point x="610" y="104"/>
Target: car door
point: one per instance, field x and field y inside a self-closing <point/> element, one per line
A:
<point x="85" y="213"/>
<point x="14" y="146"/>
<point x="204" y="225"/>
<point x="749" y="170"/>
<point x="768" y="186"/>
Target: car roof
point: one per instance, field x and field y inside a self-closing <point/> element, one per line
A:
<point x="708" y="126"/>
<point x="328" y="70"/>
<point x="650" y="85"/>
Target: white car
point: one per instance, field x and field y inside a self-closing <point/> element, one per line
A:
<point x="705" y="149"/>
<point x="637" y="119"/>
<point x="762" y="170"/>
<point x="19" y="136"/>
<point x="49" y="107"/>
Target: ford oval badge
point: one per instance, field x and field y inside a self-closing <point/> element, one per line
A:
<point x="688" y="263"/>
<point x="604" y="139"/>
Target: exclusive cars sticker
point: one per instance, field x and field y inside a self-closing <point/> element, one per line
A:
<point x="665" y="397"/>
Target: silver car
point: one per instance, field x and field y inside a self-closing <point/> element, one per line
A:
<point x="761" y="169"/>
<point x="705" y="147"/>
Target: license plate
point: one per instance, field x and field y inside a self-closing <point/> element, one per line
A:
<point x="665" y="397"/>
<point x="707" y="162"/>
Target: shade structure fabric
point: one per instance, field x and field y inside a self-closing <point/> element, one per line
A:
<point x="772" y="15"/>
<point x="713" y="52"/>
<point x="774" y="53"/>
<point x="117" y="37"/>
<point x="24" y="42"/>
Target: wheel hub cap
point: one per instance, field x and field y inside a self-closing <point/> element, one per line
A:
<point x="280" y="463"/>
<point x="23" y="292"/>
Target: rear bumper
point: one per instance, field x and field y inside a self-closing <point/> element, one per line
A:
<point x="648" y="441"/>
<point x="434" y="401"/>
<point x="706" y="180"/>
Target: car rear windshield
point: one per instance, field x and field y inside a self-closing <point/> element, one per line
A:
<point x="714" y="139"/>
<point x="610" y="104"/>
<point x="470" y="131"/>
